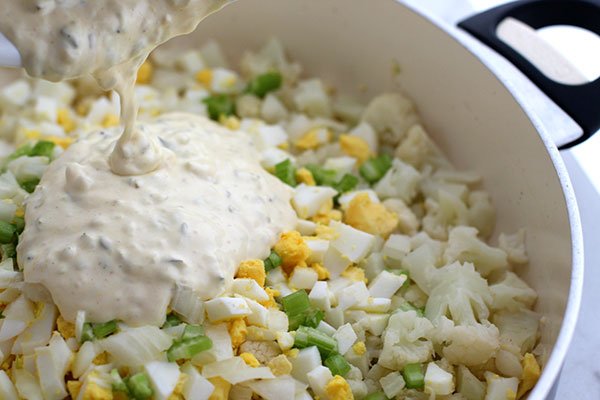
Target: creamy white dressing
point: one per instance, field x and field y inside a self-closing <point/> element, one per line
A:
<point x="109" y="39"/>
<point x="118" y="222"/>
<point x="116" y="246"/>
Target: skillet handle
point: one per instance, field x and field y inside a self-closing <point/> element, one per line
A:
<point x="580" y="102"/>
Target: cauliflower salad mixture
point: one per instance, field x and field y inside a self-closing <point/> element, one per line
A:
<point x="387" y="288"/>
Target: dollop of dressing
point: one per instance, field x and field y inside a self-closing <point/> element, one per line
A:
<point x="108" y="39"/>
<point x="118" y="222"/>
<point x="116" y="246"/>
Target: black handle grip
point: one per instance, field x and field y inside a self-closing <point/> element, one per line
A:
<point x="580" y="102"/>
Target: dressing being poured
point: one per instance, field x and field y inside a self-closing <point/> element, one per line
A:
<point x="108" y="39"/>
<point x="121" y="220"/>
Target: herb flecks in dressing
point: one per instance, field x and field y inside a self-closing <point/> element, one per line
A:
<point x="118" y="222"/>
<point x="109" y="39"/>
<point x="116" y="246"/>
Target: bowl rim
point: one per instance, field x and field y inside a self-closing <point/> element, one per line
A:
<point x="502" y="74"/>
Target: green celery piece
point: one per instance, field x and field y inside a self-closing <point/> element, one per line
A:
<point x="172" y="320"/>
<point x="191" y="331"/>
<point x="414" y="376"/>
<point x="7" y="232"/>
<point x="286" y="172"/>
<point x="29" y="185"/>
<point x="104" y="329"/>
<point x="295" y="303"/>
<point x="139" y="386"/>
<point x="376" y="396"/>
<point x="42" y="148"/>
<point x="219" y="105"/>
<point x="272" y="262"/>
<point x="337" y="364"/>
<point x="188" y="348"/>
<point x="87" y="333"/>
<point x="265" y="83"/>
<point x="118" y="385"/>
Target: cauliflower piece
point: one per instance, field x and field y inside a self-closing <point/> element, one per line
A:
<point x="406" y="340"/>
<point x="468" y="385"/>
<point x="467" y="345"/>
<point x="338" y="389"/>
<point x="465" y="246"/>
<point x="518" y="328"/>
<point x="270" y="57"/>
<point x="421" y="264"/>
<point x="371" y="217"/>
<point x="508" y="360"/>
<point x="253" y="269"/>
<point x="418" y="149"/>
<point x="292" y="249"/>
<point x="408" y="222"/>
<point x="531" y="374"/>
<point x="391" y="115"/>
<point x="356" y="147"/>
<point x="238" y="331"/>
<point x="263" y="351"/>
<point x="482" y="214"/>
<point x="449" y="210"/>
<point x="310" y="97"/>
<point x="400" y="181"/>
<point x="512" y="293"/>
<point x="514" y="246"/>
<point x="272" y="109"/>
<point x="248" y="106"/>
<point x="459" y="290"/>
<point x="280" y="365"/>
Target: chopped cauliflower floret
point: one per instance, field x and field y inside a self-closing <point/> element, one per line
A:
<point x="406" y="340"/>
<point x="464" y="246"/>
<point x="292" y="249"/>
<point x="391" y="115"/>
<point x="264" y="351"/>
<point x="512" y="293"/>
<point x="458" y="290"/>
<point x="371" y="217"/>
<point x="468" y="345"/>
<point x="514" y="246"/>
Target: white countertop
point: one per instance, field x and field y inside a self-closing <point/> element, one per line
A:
<point x="580" y="377"/>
